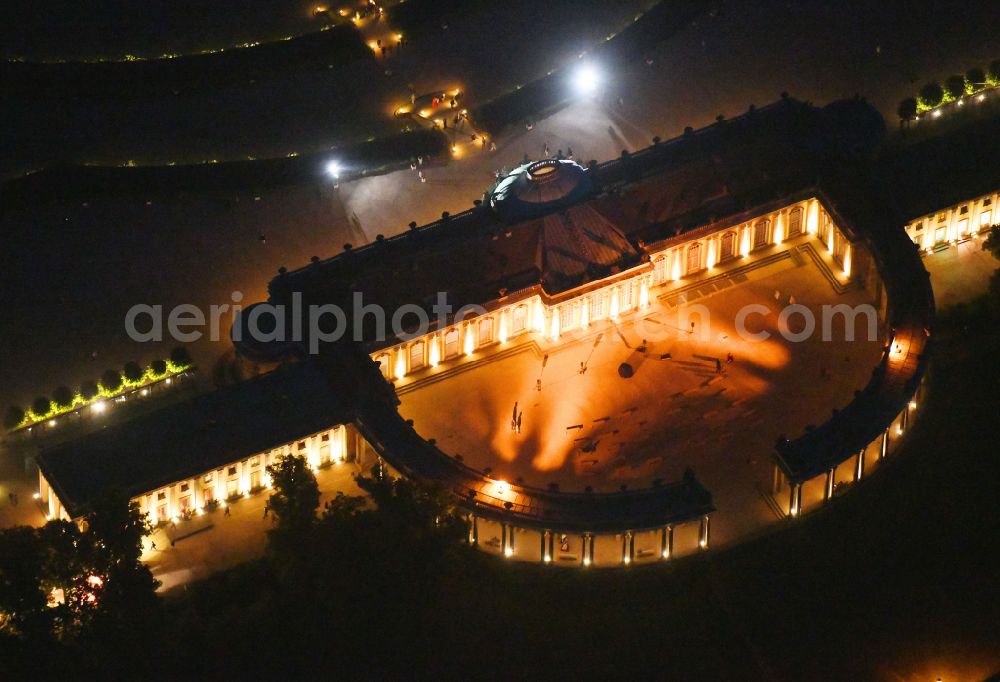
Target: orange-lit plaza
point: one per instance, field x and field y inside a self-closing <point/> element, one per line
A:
<point x="584" y="426"/>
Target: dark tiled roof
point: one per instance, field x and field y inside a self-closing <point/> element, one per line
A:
<point x="646" y="197"/>
<point x="194" y="436"/>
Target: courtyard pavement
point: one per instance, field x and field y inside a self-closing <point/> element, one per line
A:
<point x="586" y="426"/>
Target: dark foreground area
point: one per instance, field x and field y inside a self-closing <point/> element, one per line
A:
<point x="894" y="581"/>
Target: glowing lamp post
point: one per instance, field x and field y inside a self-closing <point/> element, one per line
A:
<point x="586" y="79"/>
<point x="333" y="169"/>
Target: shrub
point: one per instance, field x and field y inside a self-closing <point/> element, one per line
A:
<point x="88" y="390"/>
<point x="14" y="417"/>
<point x="41" y="406"/>
<point x="63" y="397"/>
<point x="975" y="79"/>
<point x="111" y="381"/>
<point x="931" y="95"/>
<point x="993" y="73"/>
<point x="907" y="109"/>
<point x="133" y="372"/>
<point x="158" y="367"/>
<point x="180" y="357"/>
<point x="954" y="87"/>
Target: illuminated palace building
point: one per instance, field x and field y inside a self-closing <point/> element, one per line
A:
<point x="553" y="252"/>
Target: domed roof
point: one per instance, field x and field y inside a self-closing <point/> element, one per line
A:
<point x="539" y="187"/>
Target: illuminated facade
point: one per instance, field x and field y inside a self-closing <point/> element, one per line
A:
<point x="964" y="220"/>
<point x="553" y="250"/>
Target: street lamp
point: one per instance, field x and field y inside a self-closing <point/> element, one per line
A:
<point x="586" y="79"/>
<point x="333" y="169"/>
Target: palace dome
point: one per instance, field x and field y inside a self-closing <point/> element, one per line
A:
<point x="536" y="188"/>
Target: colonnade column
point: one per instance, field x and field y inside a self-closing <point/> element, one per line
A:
<point x="776" y="480"/>
<point x="906" y="418"/>
<point x="546" y="546"/>
<point x="859" y="465"/>
<point x="587" y="555"/>
<point x="795" y="499"/>
<point x="703" y="532"/>
<point x="628" y="548"/>
<point x="473" y="529"/>
<point x="667" y="542"/>
<point x="831" y="476"/>
<point x="883" y="449"/>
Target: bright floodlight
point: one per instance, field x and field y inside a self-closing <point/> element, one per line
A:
<point x="586" y="78"/>
<point x="333" y="169"/>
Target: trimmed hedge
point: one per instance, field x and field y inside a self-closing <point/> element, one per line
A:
<point x="337" y="46"/>
<point x="956" y="86"/>
<point x="112" y="383"/>
<point x="79" y="183"/>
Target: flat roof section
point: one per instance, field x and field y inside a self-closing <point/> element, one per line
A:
<point x="197" y="435"/>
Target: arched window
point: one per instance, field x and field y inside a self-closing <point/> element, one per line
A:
<point x="760" y="231"/>
<point x="451" y="343"/>
<point x="485" y="331"/>
<point x="694" y="257"/>
<point x="795" y="222"/>
<point x="417" y="355"/>
<point x="728" y="247"/>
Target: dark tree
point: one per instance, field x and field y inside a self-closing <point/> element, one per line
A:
<point x="41" y="406"/>
<point x="88" y="390"/>
<point x="63" y="397"/>
<point x="955" y="85"/>
<point x="993" y="73"/>
<point x="907" y="109"/>
<point x="992" y="243"/>
<point x="158" y="367"/>
<point x="133" y="372"/>
<point x="22" y="595"/>
<point x="14" y="417"/>
<point x="111" y="380"/>
<point x="295" y="498"/>
<point x="180" y="356"/>
<point x="931" y="95"/>
<point x="975" y="79"/>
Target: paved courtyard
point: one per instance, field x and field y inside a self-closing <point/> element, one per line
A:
<point x="585" y="426"/>
<point x="194" y="549"/>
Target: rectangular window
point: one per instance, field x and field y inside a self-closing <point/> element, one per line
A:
<point x="520" y="319"/>
<point x="627" y="289"/>
<point x="919" y="227"/>
<point x="254" y="461"/>
<point x="451" y="343"/>
<point x="984" y="219"/>
<point x="302" y="445"/>
<point x="963" y="210"/>
<point x="596" y="311"/>
<point x="232" y="471"/>
<point x="208" y="478"/>
<point x="569" y="316"/>
<point x="184" y="487"/>
<point x="325" y="438"/>
<point x="987" y="201"/>
<point x="660" y="269"/>
<point x="161" y="496"/>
